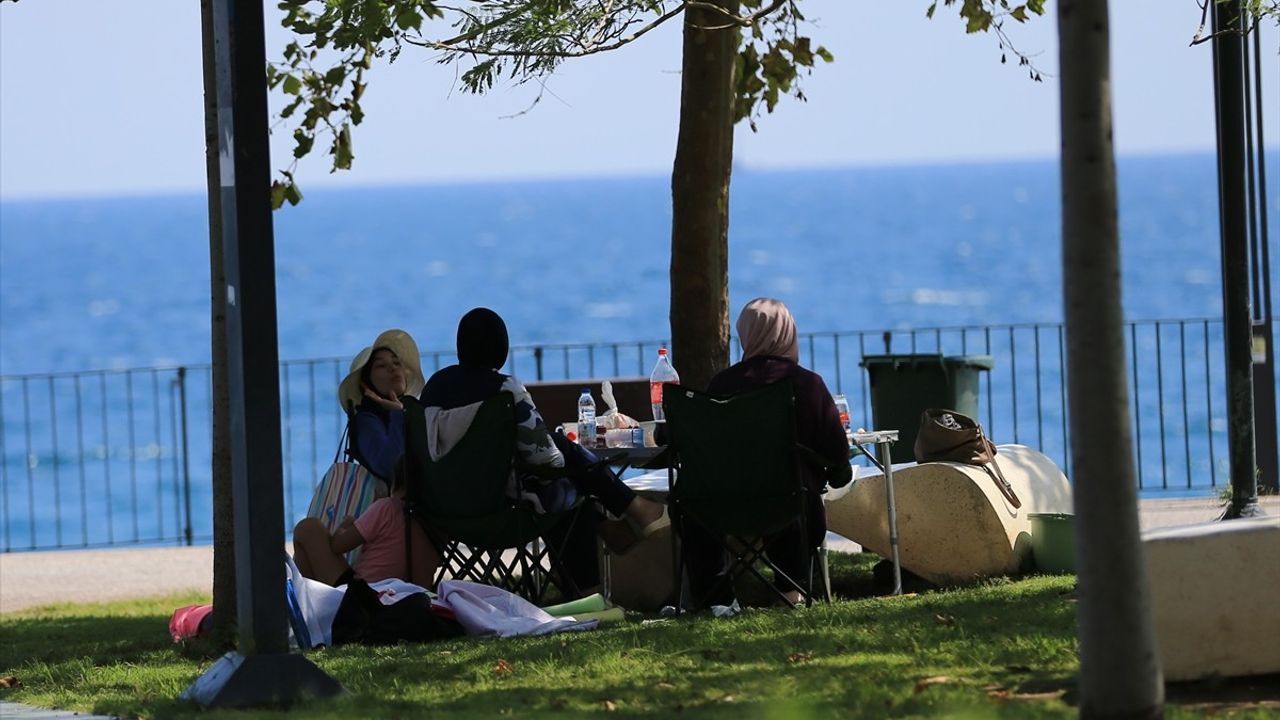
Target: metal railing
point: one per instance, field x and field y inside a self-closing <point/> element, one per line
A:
<point x="123" y="457"/>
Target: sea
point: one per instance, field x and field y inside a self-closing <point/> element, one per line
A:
<point x="118" y="283"/>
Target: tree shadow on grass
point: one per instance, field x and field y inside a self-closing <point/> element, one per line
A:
<point x="1226" y="695"/>
<point x="103" y="639"/>
<point x="869" y="653"/>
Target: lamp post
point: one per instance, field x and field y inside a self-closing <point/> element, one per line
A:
<point x="1229" y="104"/>
<point x="261" y="671"/>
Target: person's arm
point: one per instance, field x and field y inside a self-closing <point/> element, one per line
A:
<point x="346" y="538"/>
<point x="533" y="440"/>
<point x="380" y="444"/>
<point x="829" y="440"/>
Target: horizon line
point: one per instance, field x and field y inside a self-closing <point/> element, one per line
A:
<point x="740" y="167"/>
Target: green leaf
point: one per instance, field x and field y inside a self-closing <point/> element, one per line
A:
<point x="292" y="107"/>
<point x="825" y="54"/>
<point x="336" y="75"/>
<point x="1020" y="13"/>
<point x="409" y="19"/>
<point x="292" y="84"/>
<point x="292" y="193"/>
<point x="342" y="149"/>
<point x="278" y="190"/>
<point x="801" y="53"/>
<point x="303" y="141"/>
<point x="929" y="13"/>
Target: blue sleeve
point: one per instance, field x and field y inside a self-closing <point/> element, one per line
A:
<point x="380" y="444"/>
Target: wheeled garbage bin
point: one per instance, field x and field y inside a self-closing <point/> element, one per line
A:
<point x="903" y="386"/>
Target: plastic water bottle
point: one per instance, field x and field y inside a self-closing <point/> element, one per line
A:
<point x="586" y="419"/>
<point x="663" y="372"/>
<point x="842" y="409"/>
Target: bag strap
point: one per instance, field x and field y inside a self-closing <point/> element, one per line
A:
<point x="349" y="434"/>
<point x="995" y="473"/>
<point x="1001" y="483"/>
<point x="342" y="442"/>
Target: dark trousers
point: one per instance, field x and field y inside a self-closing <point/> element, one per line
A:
<point x="599" y="482"/>
<point x="574" y="540"/>
<point x="707" y="562"/>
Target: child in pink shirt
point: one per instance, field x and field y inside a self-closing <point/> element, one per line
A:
<point x="379" y="531"/>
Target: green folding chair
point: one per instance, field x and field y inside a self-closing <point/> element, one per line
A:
<point x="736" y="463"/>
<point x="462" y="497"/>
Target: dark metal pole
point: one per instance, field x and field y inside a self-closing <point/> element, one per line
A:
<point x="186" y="455"/>
<point x="248" y="254"/>
<point x="262" y="672"/>
<point x="1228" y="50"/>
<point x="1264" y="351"/>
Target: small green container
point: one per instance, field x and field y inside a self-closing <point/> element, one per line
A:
<point x="1053" y="541"/>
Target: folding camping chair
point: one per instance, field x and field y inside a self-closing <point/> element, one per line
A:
<point x="736" y="464"/>
<point x="462" y="497"/>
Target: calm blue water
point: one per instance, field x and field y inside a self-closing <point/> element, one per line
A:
<point x="111" y="283"/>
<point x="121" y="283"/>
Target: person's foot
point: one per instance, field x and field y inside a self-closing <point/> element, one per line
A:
<point x="793" y="597"/>
<point x="662" y="520"/>
<point x="642" y="519"/>
<point x="618" y="535"/>
<point x="644" y="512"/>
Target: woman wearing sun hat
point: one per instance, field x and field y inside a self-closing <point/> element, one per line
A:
<point x="370" y="394"/>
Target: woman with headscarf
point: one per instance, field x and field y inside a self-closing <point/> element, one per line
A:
<point x="770" y="354"/>
<point x="453" y="395"/>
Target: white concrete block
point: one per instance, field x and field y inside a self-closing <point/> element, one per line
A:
<point x="954" y="525"/>
<point x="1214" y="593"/>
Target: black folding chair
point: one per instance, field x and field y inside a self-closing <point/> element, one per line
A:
<point x="462" y="497"/>
<point x="736" y="474"/>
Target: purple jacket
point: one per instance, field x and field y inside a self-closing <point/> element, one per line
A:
<point x="817" y="421"/>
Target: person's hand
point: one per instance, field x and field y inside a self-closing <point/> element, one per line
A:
<point x="347" y="522"/>
<point x="387" y="402"/>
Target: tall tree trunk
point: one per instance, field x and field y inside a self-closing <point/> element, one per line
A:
<point x="1119" y="669"/>
<point x="224" y="558"/>
<point x="700" y="195"/>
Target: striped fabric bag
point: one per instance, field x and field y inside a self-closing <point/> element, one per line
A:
<point x="346" y="490"/>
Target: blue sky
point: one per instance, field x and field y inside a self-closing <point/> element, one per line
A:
<point x="104" y="98"/>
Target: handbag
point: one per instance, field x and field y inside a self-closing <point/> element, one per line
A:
<point x="346" y="490"/>
<point x="950" y="436"/>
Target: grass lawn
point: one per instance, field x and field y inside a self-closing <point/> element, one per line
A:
<point x="1001" y="649"/>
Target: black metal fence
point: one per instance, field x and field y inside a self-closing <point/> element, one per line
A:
<point x="123" y="457"/>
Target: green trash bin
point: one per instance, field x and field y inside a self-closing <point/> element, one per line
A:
<point x="903" y="386"/>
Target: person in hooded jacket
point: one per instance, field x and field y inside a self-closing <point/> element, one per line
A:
<point x="451" y="398"/>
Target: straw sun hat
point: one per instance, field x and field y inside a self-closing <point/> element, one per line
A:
<point x="398" y="342"/>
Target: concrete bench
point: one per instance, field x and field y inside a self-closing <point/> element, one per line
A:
<point x="1213" y="597"/>
<point x="954" y="526"/>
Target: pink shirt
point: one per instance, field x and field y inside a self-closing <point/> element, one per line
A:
<point x="382" y="555"/>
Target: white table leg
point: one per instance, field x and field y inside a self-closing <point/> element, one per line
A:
<point x="887" y="462"/>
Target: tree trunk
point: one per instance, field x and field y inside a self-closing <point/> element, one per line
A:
<point x="700" y="195"/>
<point x="224" y="559"/>
<point x="1119" y="668"/>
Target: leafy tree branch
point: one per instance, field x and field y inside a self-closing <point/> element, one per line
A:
<point x="323" y="71"/>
